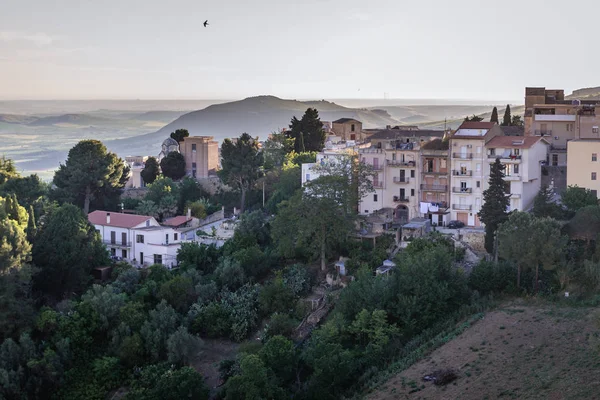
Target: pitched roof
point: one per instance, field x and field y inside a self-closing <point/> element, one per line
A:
<point x="396" y="133"/>
<point x="436" y="144"/>
<point x="119" y="220"/>
<point x="476" y="125"/>
<point x="344" y="120"/>
<point x="513" y="130"/>
<point x="513" y="142"/>
<point x="177" y="221"/>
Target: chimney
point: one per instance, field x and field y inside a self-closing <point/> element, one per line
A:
<point x="189" y="213"/>
<point x="107" y="218"/>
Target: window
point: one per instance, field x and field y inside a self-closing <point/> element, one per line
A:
<point x="158" y="259"/>
<point x="569" y="127"/>
<point x="478" y="184"/>
<point x="139" y="238"/>
<point x="593" y="176"/>
<point x="478" y="149"/>
<point x="393" y="156"/>
<point x="148" y="223"/>
<point x="167" y="238"/>
<point x="374" y="197"/>
<point x="517" y="152"/>
<point x="113" y="237"/>
<point x="113" y="252"/>
<point x="463" y="186"/>
<point x="124" y="253"/>
<point x="307" y="177"/>
<point x="554" y="159"/>
<point x="595" y="193"/>
<point x="412" y="173"/>
<point x="412" y="192"/>
<point x="492" y="152"/>
<point x="193" y="147"/>
<point x="478" y="167"/>
<point x="175" y="236"/>
<point x="366" y="211"/>
<point x="443" y="163"/>
<point x="544" y="129"/>
<point x="352" y="128"/>
<point x="124" y="238"/>
<point x="507" y="187"/>
<point x="595" y="129"/>
<point x="194" y="169"/>
<point x="141" y="257"/>
<point x="516" y="169"/>
<point x="594" y="156"/>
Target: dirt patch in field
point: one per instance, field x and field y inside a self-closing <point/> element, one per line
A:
<point x="517" y="352"/>
<point x="213" y="353"/>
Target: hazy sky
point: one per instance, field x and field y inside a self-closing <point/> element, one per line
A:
<point x="149" y="49"/>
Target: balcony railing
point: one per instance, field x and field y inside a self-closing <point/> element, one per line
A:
<point x="116" y="243"/>
<point x="462" y="190"/>
<point x="463" y="156"/>
<point x="399" y="199"/>
<point x="401" y="179"/>
<point x="377" y="167"/>
<point x="462" y="207"/>
<point x="462" y="173"/>
<point x="378" y="185"/>
<point x="434" y="188"/>
<point x="541" y="132"/>
<point x="503" y="157"/>
<point x="431" y="172"/>
<point x="397" y="163"/>
<point x="512" y="177"/>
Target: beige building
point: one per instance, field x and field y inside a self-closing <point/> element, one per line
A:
<point x="348" y="129"/>
<point x="435" y="181"/>
<point x="201" y="155"/>
<point x="394" y="155"/>
<point x="136" y="165"/>
<point x="522" y="158"/>
<point x="469" y="165"/>
<point x="548" y="114"/>
<point x="583" y="167"/>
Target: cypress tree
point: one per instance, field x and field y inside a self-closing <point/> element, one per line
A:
<point x="494" y="117"/>
<point x="308" y="132"/>
<point x="507" y="120"/>
<point x="31" y="227"/>
<point x="495" y="204"/>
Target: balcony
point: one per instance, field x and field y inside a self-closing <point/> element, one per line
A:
<point x="434" y="153"/>
<point x="401" y="180"/>
<point x="511" y="157"/>
<point x="462" y="173"/>
<point x="434" y="188"/>
<point x="398" y="199"/>
<point x="515" y="196"/>
<point x="463" y="156"/>
<point x="378" y="185"/>
<point x="432" y="172"/>
<point x="117" y="243"/>
<point x="512" y="177"/>
<point x="377" y="167"/>
<point x="462" y="190"/>
<point x="397" y="163"/>
<point x="555" y="117"/>
<point x="462" y="207"/>
<point x="543" y="132"/>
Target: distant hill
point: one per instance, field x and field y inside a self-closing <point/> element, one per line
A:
<point x="74" y="119"/>
<point x="592" y="93"/>
<point x="258" y="116"/>
<point x="17" y="119"/>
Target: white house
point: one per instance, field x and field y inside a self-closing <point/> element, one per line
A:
<point x="140" y="239"/>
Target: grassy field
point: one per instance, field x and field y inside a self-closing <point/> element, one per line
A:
<point x="521" y="351"/>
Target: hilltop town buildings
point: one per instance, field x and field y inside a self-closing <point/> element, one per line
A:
<point x="584" y="166"/>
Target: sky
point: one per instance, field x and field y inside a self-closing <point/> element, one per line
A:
<point x="300" y="49"/>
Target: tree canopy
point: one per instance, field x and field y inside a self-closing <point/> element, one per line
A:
<point x="308" y="132"/>
<point x="90" y="173"/>
<point x="507" y="119"/>
<point x="151" y="170"/>
<point x="474" y="118"/>
<point x="575" y="198"/>
<point x="494" y="117"/>
<point x="241" y="161"/>
<point x="173" y="165"/>
<point x="544" y="206"/>
<point x="496" y="201"/>
<point x="179" y="135"/>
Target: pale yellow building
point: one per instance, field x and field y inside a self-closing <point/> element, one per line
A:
<point x="348" y="129"/>
<point x="201" y="155"/>
<point x="583" y="165"/>
<point x="136" y="165"/>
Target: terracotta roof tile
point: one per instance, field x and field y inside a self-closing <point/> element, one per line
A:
<point x="513" y="142"/>
<point x="476" y="125"/>
<point x="177" y="221"/>
<point x="119" y="220"/>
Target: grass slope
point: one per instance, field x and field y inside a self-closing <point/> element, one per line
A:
<point x="521" y="351"/>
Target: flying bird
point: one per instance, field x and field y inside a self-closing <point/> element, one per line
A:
<point x="205" y="23"/>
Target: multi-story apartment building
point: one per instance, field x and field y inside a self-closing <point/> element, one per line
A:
<point x="468" y="165"/>
<point x="139" y="239"/>
<point x="548" y="114"/>
<point x="201" y="155"/>
<point x="522" y="158"/>
<point x="583" y="165"/>
<point x="435" y="181"/>
<point x="394" y="156"/>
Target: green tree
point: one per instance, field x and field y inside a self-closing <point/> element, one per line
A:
<point x="316" y="225"/>
<point x="178" y="292"/>
<point x="31" y="225"/>
<point x="494" y="117"/>
<point x="575" y="198"/>
<point x="474" y="118"/>
<point x="308" y="132"/>
<point x="183" y="347"/>
<point x="66" y="250"/>
<point x="90" y="173"/>
<point x="28" y="189"/>
<point x="164" y="193"/>
<point x="173" y="166"/>
<point x="190" y="190"/>
<point x="544" y="206"/>
<point x="517" y="121"/>
<point x="530" y="242"/>
<point x="180" y="135"/>
<point x="254" y="382"/>
<point x="241" y="161"/>
<point x="507" y="119"/>
<point x="495" y="204"/>
<point x="7" y="170"/>
<point x="15" y="250"/>
<point x="147" y="207"/>
<point x="277" y="146"/>
<point x="161" y="381"/>
<point x="162" y="322"/>
<point x="585" y="225"/>
<point x="199" y="256"/>
<point x="279" y="355"/>
<point x="14" y="211"/>
<point x="151" y="170"/>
